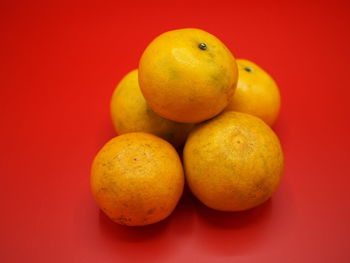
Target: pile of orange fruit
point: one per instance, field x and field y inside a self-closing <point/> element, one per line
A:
<point x="191" y="113"/>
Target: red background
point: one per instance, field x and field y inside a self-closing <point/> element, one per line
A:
<point x="60" y="62"/>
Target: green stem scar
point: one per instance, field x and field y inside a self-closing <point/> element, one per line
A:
<point x="202" y="46"/>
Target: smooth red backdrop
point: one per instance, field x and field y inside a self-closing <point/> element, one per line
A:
<point x="60" y="61"/>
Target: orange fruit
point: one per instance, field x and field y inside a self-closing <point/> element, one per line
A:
<point x="233" y="162"/>
<point x="187" y="75"/>
<point x="137" y="179"/>
<point x="257" y="93"/>
<point x="131" y="113"/>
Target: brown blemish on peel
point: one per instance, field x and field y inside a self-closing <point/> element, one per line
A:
<point x="151" y="211"/>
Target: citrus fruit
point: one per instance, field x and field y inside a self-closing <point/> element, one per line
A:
<point x="131" y="113"/>
<point x="257" y="93"/>
<point x="137" y="179"/>
<point x="187" y="75"/>
<point x="233" y="162"/>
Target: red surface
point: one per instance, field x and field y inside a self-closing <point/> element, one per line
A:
<point x="59" y="65"/>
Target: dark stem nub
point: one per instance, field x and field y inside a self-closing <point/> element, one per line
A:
<point x="249" y="69"/>
<point x="202" y="46"/>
